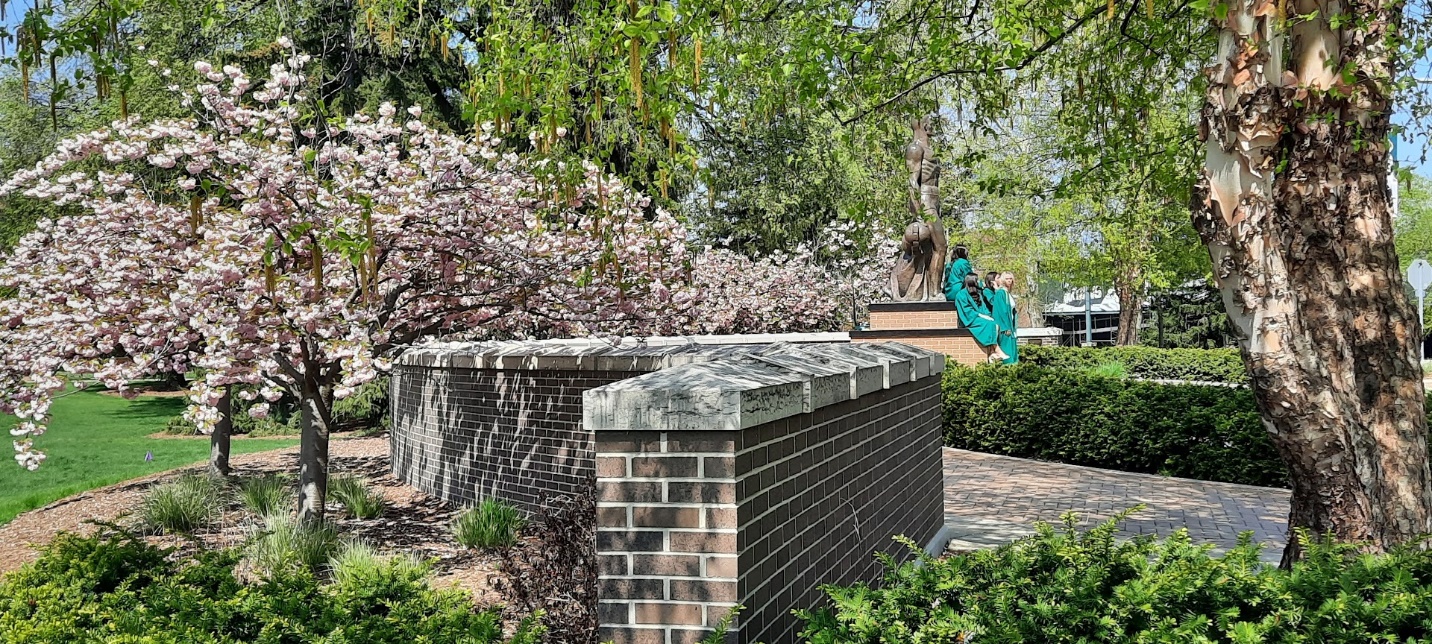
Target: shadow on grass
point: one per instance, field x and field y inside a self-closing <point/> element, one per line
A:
<point x="152" y="407"/>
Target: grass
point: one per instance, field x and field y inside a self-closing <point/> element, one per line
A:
<point x="285" y="542"/>
<point x="356" y="496"/>
<point x="97" y="440"/>
<point x="183" y="505"/>
<point x="266" y="494"/>
<point x="492" y="524"/>
<point x="357" y="564"/>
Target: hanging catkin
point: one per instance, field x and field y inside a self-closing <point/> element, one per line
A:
<point x="196" y="214"/>
<point x="697" y="68"/>
<point x="54" y="86"/>
<point x="636" y="72"/>
<point x="317" y="268"/>
<point x="1111" y="10"/>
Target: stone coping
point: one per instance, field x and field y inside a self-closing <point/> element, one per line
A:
<point x="737" y="390"/>
<point x="600" y="354"/>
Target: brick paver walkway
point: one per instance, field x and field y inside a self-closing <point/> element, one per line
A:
<point x="994" y="499"/>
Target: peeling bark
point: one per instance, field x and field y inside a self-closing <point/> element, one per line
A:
<point x="1294" y="210"/>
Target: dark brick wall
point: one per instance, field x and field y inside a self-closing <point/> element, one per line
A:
<point x="691" y="523"/>
<point x="465" y="434"/>
<point x="820" y="493"/>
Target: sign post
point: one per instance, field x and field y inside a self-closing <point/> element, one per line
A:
<point x="1419" y="275"/>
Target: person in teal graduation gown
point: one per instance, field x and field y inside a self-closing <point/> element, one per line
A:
<point x="1006" y="317"/>
<point x="989" y="287"/>
<point x="975" y="315"/>
<point x="956" y="271"/>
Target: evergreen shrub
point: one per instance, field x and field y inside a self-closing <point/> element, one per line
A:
<point x="1207" y="365"/>
<point x="1064" y="586"/>
<point x="1203" y="432"/>
<point x="114" y="587"/>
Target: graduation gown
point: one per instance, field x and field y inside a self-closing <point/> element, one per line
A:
<point x="955" y="273"/>
<point x="977" y="318"/>
<point x="1005" y="316"/>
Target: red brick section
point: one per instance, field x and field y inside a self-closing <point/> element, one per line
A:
<point x="465" y="434"/>
<point x="895" y="320"/>
<point x="691" y="523"/>
<point x="666" y="534"/>
<point x="962" y="348"/>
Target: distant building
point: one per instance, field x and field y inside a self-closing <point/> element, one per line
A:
<point x="1067" y="312"/>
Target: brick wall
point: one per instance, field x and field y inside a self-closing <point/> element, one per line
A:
<point x="667" y="534"/>
<point x="692" y="522"/>
<point x="883" y="320"/>
<point x="723" y="474"/>
<point x="465" y="434"/>
<point x="960" y="347"/>
<point x="822" y="492"/>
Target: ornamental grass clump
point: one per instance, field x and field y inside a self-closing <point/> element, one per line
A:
<point x="267" y="494"/>
<point x="359" y="498"/>
<point x="183" y="505"/>
<point x="494" y="523"/>
<point x="285" y="543"/>
<point x="359" y="565"/>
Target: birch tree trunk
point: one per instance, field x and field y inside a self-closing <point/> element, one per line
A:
<point x="316" y="420"/>
<point x="219" y="439"/>
<point x="1295" y="215"/>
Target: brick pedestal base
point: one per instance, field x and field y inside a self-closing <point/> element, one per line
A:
<point x="928" y="325"/>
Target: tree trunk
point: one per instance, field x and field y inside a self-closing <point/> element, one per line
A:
<point x="219" y="440"/>
<point x="1295" y="215"/>
<point x="313" y="453"/>
<point x="1131" y="304"/>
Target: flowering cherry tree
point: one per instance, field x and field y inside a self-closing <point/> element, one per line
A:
<point x="293" y="256"/>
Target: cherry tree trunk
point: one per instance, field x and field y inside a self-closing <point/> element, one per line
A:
<point x="313" y="453"/>
<point x="219" y="439"/>
<point x="1294" y="210"/>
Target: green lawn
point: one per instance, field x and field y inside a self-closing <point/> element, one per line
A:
<point x="95" y="440"/>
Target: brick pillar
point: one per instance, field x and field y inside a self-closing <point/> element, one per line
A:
<point x="666" y="534"/>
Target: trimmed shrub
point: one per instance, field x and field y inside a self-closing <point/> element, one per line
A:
<point x="1207" y="365"/>
<point x="183" y="505"/>
<point x="1202" y="432"/>
<point x="113" y="587"/>
<point x="285" y="544"/>
<point x="494" y="523"/>
<point x="1064" y="586"/>
<point x="357" y="496"/>
<point x="267" y="494"/>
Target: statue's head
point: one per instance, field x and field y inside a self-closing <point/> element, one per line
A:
<point x="921" y="127"/>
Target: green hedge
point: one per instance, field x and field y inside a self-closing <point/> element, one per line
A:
<point x="1192" y="431"/>
<point x="1062" y="586"/>
<point x="1210" y="365"/>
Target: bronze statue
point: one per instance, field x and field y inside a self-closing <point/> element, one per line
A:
<point x="919" y="273"/>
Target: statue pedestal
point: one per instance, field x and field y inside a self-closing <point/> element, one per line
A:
<point x="928" y="325"/>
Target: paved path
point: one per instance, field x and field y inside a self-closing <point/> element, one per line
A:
<point x="995" y="499"/>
